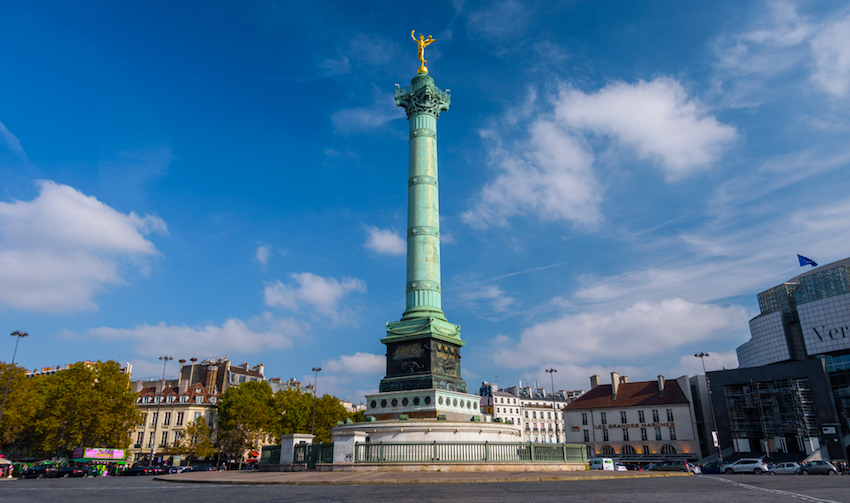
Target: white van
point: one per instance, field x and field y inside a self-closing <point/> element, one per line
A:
<point x="602" y="464"/>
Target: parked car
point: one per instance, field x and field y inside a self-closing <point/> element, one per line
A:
<point x="620" y="467"/>
<point x="788" y="468"/>
<point x="694" y="468"/>
<point x="142" y="470"/>
<point x="601" y="464"/>
<point x="251" y="467"/>
<point x="745" y="465"/>
<point x="68" y="471"/>
<point x="38" y="472"/>
<point x="201" y="467"/>
<point x="634" y="466"/>
<point x="671" y="466"/>
<point x="713" y="467"/>
<point x="817" y="468"/>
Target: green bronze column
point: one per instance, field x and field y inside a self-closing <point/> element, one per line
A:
<point x="423" y="102"/>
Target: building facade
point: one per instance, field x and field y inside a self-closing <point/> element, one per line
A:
<point x="808" y="317"/>
<point x="640" y="421"/>
<point x="540" y="414"/>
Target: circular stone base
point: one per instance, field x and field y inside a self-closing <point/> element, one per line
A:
<point x="429" y="431"/>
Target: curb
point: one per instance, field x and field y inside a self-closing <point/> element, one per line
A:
<point x="447" y="480"/>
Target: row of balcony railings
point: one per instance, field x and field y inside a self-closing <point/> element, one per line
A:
<point x="469" y="452"/>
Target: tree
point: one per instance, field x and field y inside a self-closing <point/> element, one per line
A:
<point x="329" y="411"/>
<point x="196" y="441"/>
<point x="245" y="417"/>
<point x="85" y="405"/>
<point x="19" y="410"/>
<point x="294" y="411"/>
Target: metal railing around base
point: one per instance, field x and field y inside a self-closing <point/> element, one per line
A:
<point x="469" y="452"/>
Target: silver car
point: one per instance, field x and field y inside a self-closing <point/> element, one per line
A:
<point x="789" y="468"/>
<point x="745" y="465"/>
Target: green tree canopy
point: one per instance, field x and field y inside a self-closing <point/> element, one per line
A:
<point x="294" y="411"/>
<point x="20" y="407"/>
<point x="245" y="417"/>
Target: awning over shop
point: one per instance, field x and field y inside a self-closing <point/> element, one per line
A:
<point x="100" y="460"/>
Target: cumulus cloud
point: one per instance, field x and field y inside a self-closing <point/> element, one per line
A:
<point x="315" y="292"/>
<point x="61" y="248"/>
<point x="385" y="241"/>
<point x="657" y="119"/>
<point x="358" y="363"/>
<point x="485" y="299"/>
<point x="263" y="253"/>
<point x="233" y="336"/>
<point x="644" y="328"/>
<point x="550" y="177"/>
<point x="831" y="53"/>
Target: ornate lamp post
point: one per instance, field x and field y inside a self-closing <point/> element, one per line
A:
<point x="551" y="373"/>
<point x="165" y="359"/>
<point x="316" y="371"/>
<point x="18" y="334"/>
<point x="702" y="356"/>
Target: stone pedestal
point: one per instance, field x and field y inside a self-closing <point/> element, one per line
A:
<point x="344" y="440"/>
<point x="287" y="450"/>
<point x="423" y="404"/>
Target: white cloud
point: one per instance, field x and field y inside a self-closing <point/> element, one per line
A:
<point x="263" y="253"/>
<point x="831" y="53"/>
<point x="358" y="363"/>
<point x="385" y="241"/>
<point x="499" y="21"/>
<point x="485" y="300"/>
<point x="550" y="177"/>
<point x="367" y="119"/>
<point x="657" y="119"/>
<point x="61" y="248"/>
<point x="319" y="293"/>
<point x="13" y="142"/>
<point x="233" y="336"/>
<point x="644" y="328"/>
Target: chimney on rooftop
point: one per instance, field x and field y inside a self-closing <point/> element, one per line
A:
<point x="184" y="386"/>
<point x="624" y="379"/>
<point x="260" y="368"/>
<point x="615" y="384"/>
<point x="160" y="385"/>
<point x="594" y="381"/>
<point x="660" y="385"/>
<point x="136" y="386"/>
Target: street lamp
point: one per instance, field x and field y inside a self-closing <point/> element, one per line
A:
<point x="316" y="371"/>
<point x="551" y="373"/>
<point x="18" y="334"/>
<point x="702" y="356"/>
<point x="165" y="360"/>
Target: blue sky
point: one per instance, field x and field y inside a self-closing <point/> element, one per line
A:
<point x="618" y="180"/>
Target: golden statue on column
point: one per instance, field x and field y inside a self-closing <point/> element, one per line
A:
<point x="422" y="42"/>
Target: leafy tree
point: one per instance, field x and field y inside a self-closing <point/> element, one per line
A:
<point x="245" y="417"/>
<point x="196" y="441"/>
<point x="20" y="407"/>
<point x="83" y="406"/>
<point x="329" y="411"/>
<point x="294" y="411"/>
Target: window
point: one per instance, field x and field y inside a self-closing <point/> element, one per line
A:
<point x="608" y="450"/>
<point x="527" y="437"/>
<point x="670" y="415"/>
<point x="584" y="418"/>
<point x="536" y="438"/>
<point x="668" y="449"/>
<point x="154" y="418"/>
<point x="199" y="399"/>
<point x="170" y="399"/>
<point x="672" y="433"/>
<point x="164" y="439"/>
<point x="625" y="434"/>
<point x="641" y="417"/>
<point x="198" y="414"/>
<point x="144" y="418"/>
<point x="151" y="439"/>
<point x="604" y="435"/>
<point x="604" y="417"/>
<point x="212" y="419"/>
<point x="167" y="419"/>
<point x="645" y="449"/>
<point x="654" y="416"/>
<point x="628" y="449"/>
<point x="526" y="414"/>
<point x="623" y="417"/>
<point x="177" y="435"/>
<point x="179" y="419"/>
<point x="534" y="415"/>
<point x="549" y="415"/>
<point x="657" y="433"/>
<point x="643" y="433"/>
<point x="586" y="436"/>
<point x="140" y="438"/>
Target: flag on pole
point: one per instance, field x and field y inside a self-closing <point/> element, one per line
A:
<point x="806" y="261"/>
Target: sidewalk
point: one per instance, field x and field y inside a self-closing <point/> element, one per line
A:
<point x="327" y="478"/>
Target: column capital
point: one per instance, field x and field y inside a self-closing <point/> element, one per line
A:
<point x="422" y="97"/>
